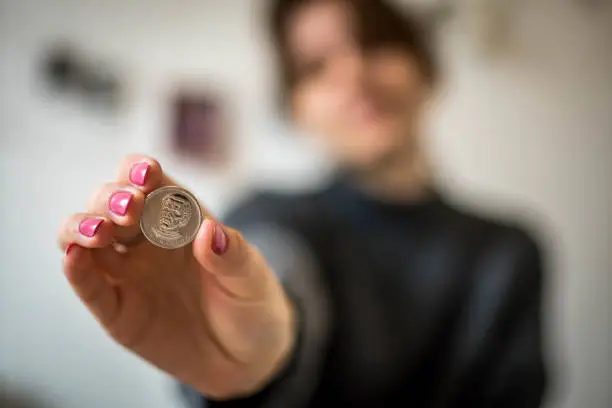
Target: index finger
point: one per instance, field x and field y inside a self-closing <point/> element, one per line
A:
<point x="143" y="172"/>
<point x="146" y="174"/>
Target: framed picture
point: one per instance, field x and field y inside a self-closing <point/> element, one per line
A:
<point x="199" y="127"/>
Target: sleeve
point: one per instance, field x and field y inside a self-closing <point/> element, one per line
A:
<point x="291" y="259"/>
<point x="503" y="351"/>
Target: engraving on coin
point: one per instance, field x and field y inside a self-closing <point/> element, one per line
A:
<point x="175" y="213"/>
<point x="171" y="217"/>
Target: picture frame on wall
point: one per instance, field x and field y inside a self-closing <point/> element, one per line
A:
<point x="199" y="127"/>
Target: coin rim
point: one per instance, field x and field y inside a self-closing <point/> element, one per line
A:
<point x="159" y="191"/>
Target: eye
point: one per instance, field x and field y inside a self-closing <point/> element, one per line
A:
<point x="311" y="68"/>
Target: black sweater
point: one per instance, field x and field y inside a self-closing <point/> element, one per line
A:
<point x="419" y="305"/>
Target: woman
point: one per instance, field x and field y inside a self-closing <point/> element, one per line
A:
<point x="372" y="292"/>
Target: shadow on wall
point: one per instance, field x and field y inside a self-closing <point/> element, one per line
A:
<point x="20" y="398"/>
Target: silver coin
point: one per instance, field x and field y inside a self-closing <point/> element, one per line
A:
<point x="171" y="217"/>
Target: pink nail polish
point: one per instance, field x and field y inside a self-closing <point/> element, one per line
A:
<point x="90" y="226"/>
<point x="138" y="174"/>
<point x="68" y="248"/>
<point x="119" y="202"/>
<point x="219" y="242"/>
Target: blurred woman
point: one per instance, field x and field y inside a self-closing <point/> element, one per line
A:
<point x="375" y="291"/>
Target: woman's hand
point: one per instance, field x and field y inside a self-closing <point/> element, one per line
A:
<point x="211" y="314"/>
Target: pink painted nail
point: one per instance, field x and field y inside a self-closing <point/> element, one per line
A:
<point x="138" y="174"/>
<point x="90" y="226"/>
<point x="69" y="247"/>
<point x="219" y="242"/>
<point x="119" y="202"/>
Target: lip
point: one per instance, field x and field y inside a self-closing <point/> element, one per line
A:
<point x="367" y="111"/>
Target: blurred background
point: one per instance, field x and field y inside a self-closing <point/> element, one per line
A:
<point x="524" y="120"/>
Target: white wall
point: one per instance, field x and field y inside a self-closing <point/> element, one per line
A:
<point x="534" y="130"/>
<point x="537" y="130"/>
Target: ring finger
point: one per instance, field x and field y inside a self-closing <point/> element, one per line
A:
<point x="86" y="230"/>
<point x="123" y="205"/>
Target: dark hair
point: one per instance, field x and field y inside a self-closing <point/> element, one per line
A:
<point x="380" y="23"/>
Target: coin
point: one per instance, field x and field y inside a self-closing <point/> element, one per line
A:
<point x="171" y="217"/>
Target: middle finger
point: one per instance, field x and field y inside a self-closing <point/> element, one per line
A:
<point x="122" y="204"/>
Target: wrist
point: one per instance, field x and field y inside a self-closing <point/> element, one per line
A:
<point x="272" y="365"/>
<point x="276" y="366"/>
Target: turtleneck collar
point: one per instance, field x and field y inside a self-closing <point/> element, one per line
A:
<point x="348" y="195"/>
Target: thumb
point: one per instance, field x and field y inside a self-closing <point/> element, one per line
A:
<point x="234" y="265"/>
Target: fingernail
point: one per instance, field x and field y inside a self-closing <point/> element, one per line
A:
<point x="119" y="202"/>
<point x="138" y="174"/>
<point x="219" y="242"/>
<point x="89" y="226"/>
<point x="68" y="248"/>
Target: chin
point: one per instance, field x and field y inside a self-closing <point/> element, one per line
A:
<point x="372" y="157"/>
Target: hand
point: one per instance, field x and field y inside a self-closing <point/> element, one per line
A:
<point x="211" y="314"/>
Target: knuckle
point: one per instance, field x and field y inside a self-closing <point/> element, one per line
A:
<point x="132" y="159"/>
<point x="72" y="223"/>
<point x="63" y="231"/>
<point x="99" y="194"/>
<point x="154" y="162"/>
<point x="126" y="163"/>
<point x="125" y="169"/>
<point x="68" y="230"/>
<point x="66" y="223"/>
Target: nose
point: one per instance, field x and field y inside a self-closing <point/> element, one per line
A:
<point x="349" y="68"/>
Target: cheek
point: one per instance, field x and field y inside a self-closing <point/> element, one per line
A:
<point x="318" y="109"/>
<point x="395" y="71"/>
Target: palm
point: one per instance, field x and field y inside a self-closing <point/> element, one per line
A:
<point x="161" y="313"/>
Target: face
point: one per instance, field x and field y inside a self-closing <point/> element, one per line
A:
<point x="365" y="105"/>
<point x="175" y="212"/>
